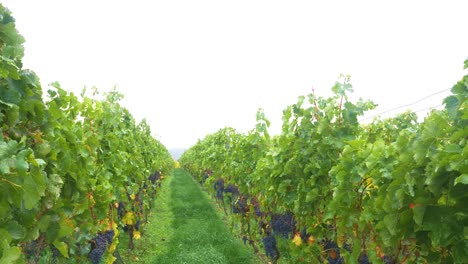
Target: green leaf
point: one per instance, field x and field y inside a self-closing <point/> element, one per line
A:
<point x="5" y="166"/>
<point x="22" y="165"/>
<point x="16" y="230"/>
<point x="43" y="223"/>
<point x="52" y="230"/>
<point x="418" y="214"/>
<point x="452" y="104"/>
<point x="54" y="185"/>
<point x="66" y="228"/>
<point x="10" y="254"/>
<point x="31" y="196"/>
<point x="390" y="221"/>
<point x="62" y="247"/>
<point x="8" y="149"/>
<point x="463" y="179"/>
<point x="5" y="235"/>
<point x="453" y="148"/>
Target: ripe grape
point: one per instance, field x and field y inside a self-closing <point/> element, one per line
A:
<point x="219" y="185"/>
<point x="256" y="206"/>
<point x="231" y="188"/>
<point x="99" y="246"/>
<point x="333" y="252"/>
<point x="269" y="242"/>
<point x="241" y="205"/>
<point x="121" y="209"/>
<point x="389" y="260"/>
<point x="283" y="224"/>
<point x="363" y="258"/>
<point x="109" y="235"/>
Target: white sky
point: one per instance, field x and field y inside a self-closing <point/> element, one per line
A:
<point x="192" y="67"/>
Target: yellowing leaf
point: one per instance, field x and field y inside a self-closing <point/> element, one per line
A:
<point x="110" y="259"/>
<point x="311" y="240"/>
<point x="297" y="240"/>
<point x="136" y="235"/>
<point x="112" y="247"/>
<point x="132" y="196"/>
<point x="129" y="218"/>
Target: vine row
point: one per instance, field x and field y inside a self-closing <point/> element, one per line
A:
<point x="328" y="189"/>
<point x="74" y="172"/>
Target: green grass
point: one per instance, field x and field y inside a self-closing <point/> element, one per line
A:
<point x="185" y="227"/>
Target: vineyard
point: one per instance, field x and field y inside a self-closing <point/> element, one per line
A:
<point x="331" y="190"/>
<point x="76" y="174"/>
<point x="79" y="178"/>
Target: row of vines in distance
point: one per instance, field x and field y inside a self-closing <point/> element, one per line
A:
<point x="331" y="190"/>
<point x="74" y="172"/>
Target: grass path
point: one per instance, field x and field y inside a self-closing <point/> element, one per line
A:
<point x="186" y="228"/>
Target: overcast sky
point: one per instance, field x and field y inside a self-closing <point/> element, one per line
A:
<point x="192" y="67"/>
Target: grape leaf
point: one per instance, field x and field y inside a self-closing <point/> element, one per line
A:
<point x="10" y="254"/>
<point x="463" y="179"/>
<point x="62" y="247"/>
<point x="16" y="230"/>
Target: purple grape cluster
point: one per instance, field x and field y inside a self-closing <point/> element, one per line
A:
<point x="240" y="206"/>
<point x="219" y="188"/>
<point x="331" y="246"/>
<point x="121" y="209"/>
<point x="283" y="224"/>
<point x="389" y="260"/>
<point x="256" y="207"/>
<point x="154" y="177"/>
<point x="109" y="235"/>
<point x="99" y="246"/>
<point x="231" y="188"/>
<point x="363" y="258"/>
<point x="269" y="242"/>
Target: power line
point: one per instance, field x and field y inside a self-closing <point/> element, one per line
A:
<point x="429" y="108"/>
<point x="407" y="105"/>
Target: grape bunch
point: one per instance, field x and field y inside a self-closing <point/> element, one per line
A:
<point x="55" y="251"/>
<point x="99" y="245"/>
<point x="389" y="260"/>
<point x="109" y="235"/>
<point x="363" y="258"/>
<point x="256" y="207"/>
<point x="269" y="242"/>
<point x="333" y="252"/>
<point x="283" y="224"/>
<point x="121" y="209"/>
<point x="154" y="177"/>
<point x="219" y="188"/>
<point x="231" y="188"/>
<point x="240" y="206"/>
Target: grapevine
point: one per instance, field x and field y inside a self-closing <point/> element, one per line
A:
<point x="392" y="191"/>
<point x="66" y="164"/>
